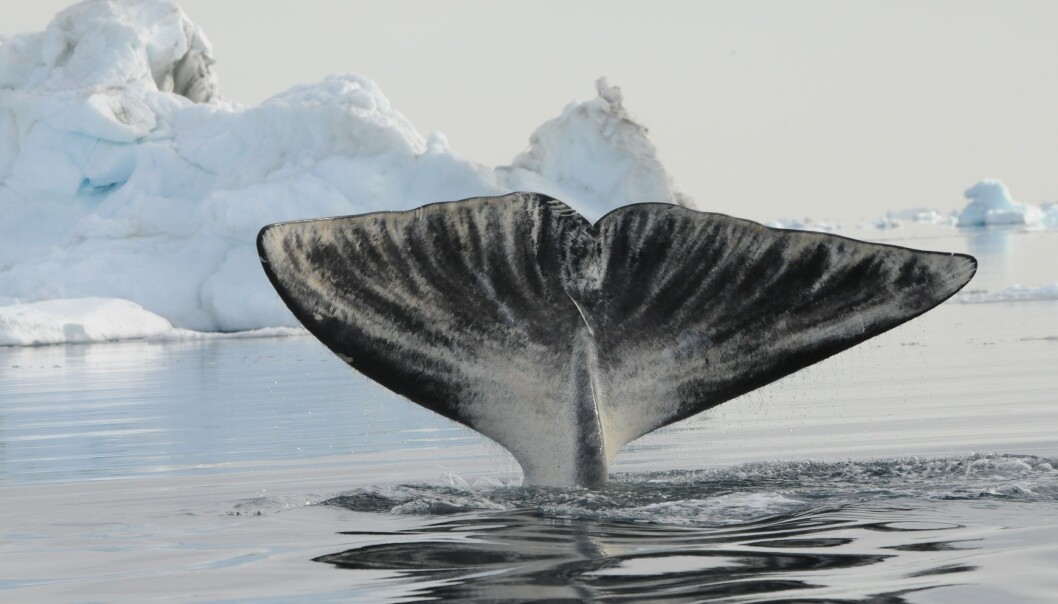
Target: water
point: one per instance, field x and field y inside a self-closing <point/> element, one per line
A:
<point x="920" y="467"/>
<point x="815" y="531"/>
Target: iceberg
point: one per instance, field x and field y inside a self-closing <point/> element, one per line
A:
<point x="594" y="153"/>
<point x="126" y="176"/>
<point x="991" y="204"/>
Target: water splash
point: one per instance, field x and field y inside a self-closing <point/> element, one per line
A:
<point x="727" y="495"/>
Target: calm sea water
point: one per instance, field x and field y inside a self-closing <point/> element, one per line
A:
<point x="920" y="467"/>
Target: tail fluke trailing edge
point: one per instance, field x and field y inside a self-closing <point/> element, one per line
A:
<point x="563" y="340"/>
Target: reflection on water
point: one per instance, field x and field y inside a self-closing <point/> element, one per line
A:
<point x="995" y="250"/>
<point x="528" y="555"/>
<point x="992" y="244"/>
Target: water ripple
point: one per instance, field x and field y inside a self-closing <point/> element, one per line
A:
<point x="799" y="531"/>
<point x="723" y="495"/>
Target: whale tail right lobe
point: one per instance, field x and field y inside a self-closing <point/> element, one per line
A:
<point x="563" y="340"/>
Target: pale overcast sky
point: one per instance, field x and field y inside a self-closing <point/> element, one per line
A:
<point x="828" y="109"/>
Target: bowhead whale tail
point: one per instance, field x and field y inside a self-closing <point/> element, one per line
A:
<point x="562" y="340"/>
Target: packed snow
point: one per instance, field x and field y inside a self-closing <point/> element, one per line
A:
<point x="124" y="175"/>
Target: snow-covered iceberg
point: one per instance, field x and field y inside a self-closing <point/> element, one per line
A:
<point x="124" y="175"/>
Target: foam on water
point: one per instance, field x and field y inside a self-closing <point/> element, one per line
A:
<point x="726" y="495"/>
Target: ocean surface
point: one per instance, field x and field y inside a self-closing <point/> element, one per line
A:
<point x="921" y="466"/>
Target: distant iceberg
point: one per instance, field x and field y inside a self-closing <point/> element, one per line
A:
<point x="894" y="219"/>
<point x="991" y="205"/>
<point x="124" y="175"/>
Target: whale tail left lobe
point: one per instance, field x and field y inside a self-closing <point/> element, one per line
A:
<point x="563" y="340"/>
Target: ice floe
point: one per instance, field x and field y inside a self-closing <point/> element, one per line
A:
<point x="86" y="320"/>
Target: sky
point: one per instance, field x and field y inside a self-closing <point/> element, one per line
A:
<point x="823" y="109"/>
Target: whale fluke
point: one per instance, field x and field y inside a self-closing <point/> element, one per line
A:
<point x="562" y="340"/>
